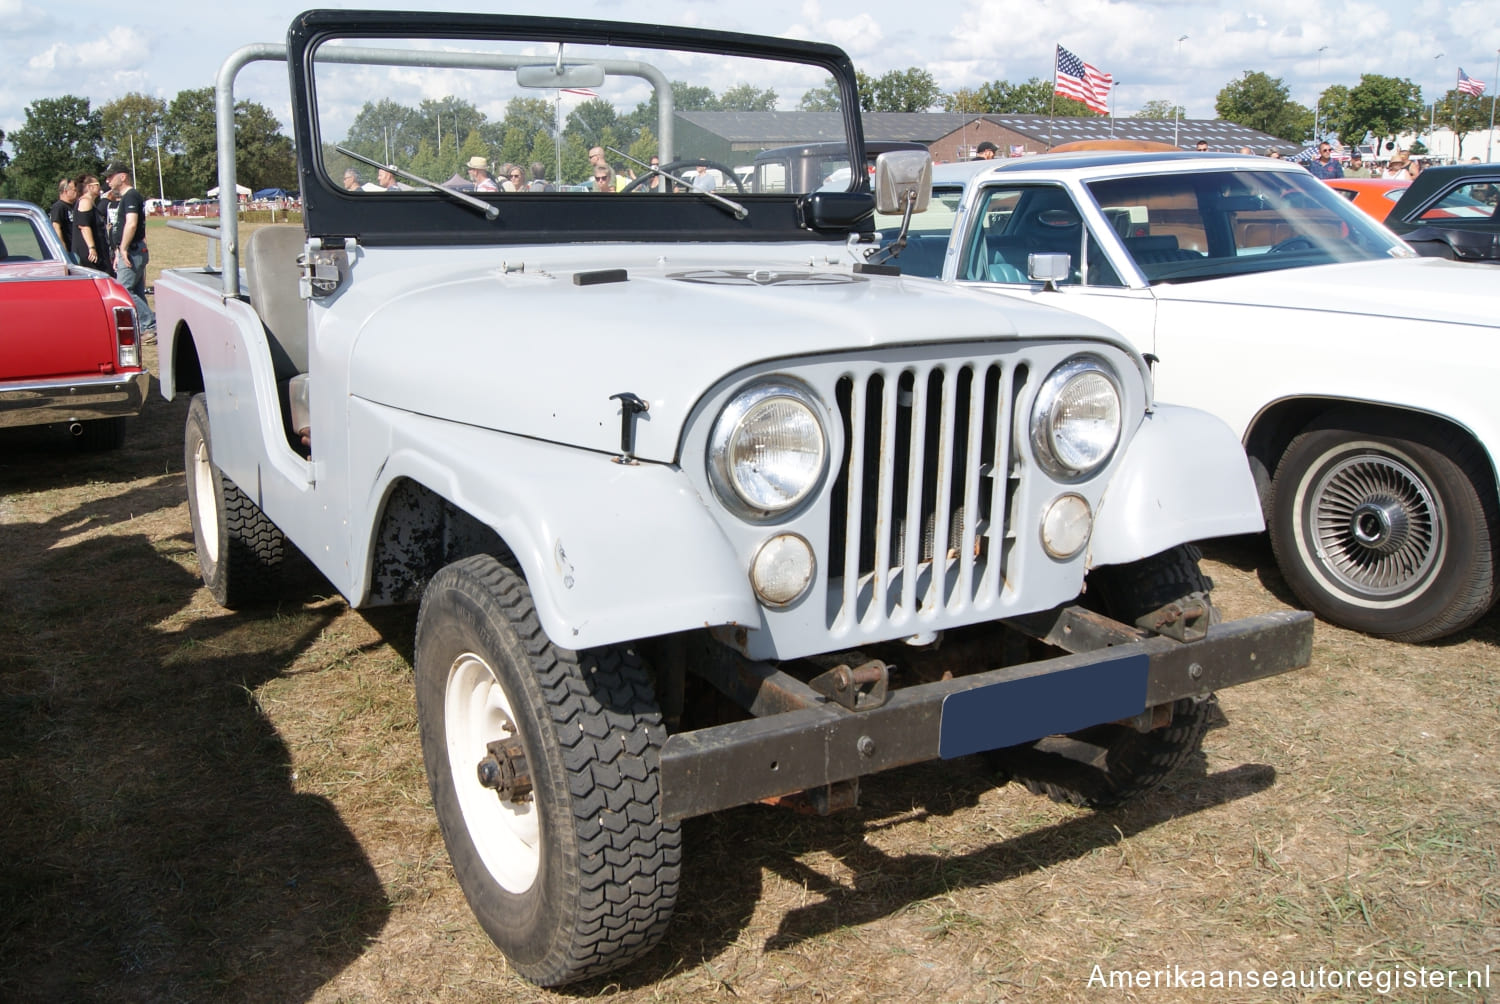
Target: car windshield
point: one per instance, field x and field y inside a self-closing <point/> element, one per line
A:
<point x="1472" y="201"/>
<point x="1205" y="224"/>
<point x="486" y="115"/>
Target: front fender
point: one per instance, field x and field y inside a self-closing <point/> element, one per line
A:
<point x="1184" y="477"/>
<point x="561" y="511"/>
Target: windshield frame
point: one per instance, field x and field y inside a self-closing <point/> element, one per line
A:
<point x="420" y="217"/>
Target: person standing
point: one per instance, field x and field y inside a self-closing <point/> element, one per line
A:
<point x="129" y="241"/>
<point x="1357" y="168"/>
<point x="479" y="173"/>
<point x="61" y="213"/>
<point x="539" y="182"/>
<point x="1325" y="167"/>
<point x="90" y="225"/>
<point x="986" y="151"/>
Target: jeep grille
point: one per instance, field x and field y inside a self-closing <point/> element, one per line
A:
<point x="919" y="524"/>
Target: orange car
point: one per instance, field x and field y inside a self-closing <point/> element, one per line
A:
<point x="1376" y="196"/>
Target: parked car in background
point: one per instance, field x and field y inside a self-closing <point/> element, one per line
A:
<point x="1452" y="212"/>
<point x="1359" y="377"/>
<point x="69" y="349"/>
<point x="812" y="166"/>
<point x="1376" y="196"/>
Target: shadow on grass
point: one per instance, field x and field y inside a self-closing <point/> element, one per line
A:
<point x="726" y="855"/>
<point x="152" y="844"/>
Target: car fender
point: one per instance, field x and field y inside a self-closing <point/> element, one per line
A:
<point x="560" y="509"/>
<point x="1184" y="477"/>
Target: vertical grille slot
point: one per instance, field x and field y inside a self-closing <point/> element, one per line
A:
<point x="924" y="487"/>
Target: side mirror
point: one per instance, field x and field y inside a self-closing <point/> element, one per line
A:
<point x="1048" y="268"/>
<point x="903" y="181"/>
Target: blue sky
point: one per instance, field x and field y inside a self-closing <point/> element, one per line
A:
<point x="103" y="51"/>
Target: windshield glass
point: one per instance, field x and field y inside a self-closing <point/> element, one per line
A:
<point x="1205" y="224"/>
<point x="491" y="116"/>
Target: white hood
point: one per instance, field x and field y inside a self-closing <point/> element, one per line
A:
<point x="1426" y="289"/>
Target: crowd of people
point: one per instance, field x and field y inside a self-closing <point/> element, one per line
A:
<point x="507" y="177"/>
<point x="102" y="224"/>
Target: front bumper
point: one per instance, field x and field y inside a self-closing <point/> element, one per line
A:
<point x="72" y="399"/>
<point x="821" y="743"/>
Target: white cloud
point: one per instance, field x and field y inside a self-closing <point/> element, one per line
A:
<point x="122" y="48"/>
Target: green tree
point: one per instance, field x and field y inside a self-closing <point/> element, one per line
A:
<point x="1383" y="107"/>
<point x="590" y="120"/>
<point x="60" y="138"/>
<point x="448" y="123"/>
<point x="515" y="148"/>
<point x="4" y="161"/>
<point x="575" y="160"/>
<point x="821" y="99"/>
<point x="131" y="126"/>
<point x="475" y="146"/>
<point x="909" y="90"/>
<point x="1001" y="97"/>
<point x="1262" y="102"/>
<point x="1333" y="111"/>
<point x="190" y="136"/>
<point x="1463" y="113"/>
<point x="263" y="157"/>
<point x="386" y="131"/>
<point x="1158" y="108"/>
<point x="746" y="98"/>
<point x="645" y="147"/>
<point x="544" y="149"/>
<point x="531" y="116"/>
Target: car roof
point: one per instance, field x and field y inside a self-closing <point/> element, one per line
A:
<point x="1101" y="161"/>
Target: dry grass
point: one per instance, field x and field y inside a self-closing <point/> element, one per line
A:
<point x="211" y="806"/>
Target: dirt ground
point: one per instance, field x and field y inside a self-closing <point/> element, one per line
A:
<point x="205" y="806"/>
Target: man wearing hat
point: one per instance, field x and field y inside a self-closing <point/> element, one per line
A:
<point x="128" y="238"/>
<point x="479" y="173"/>
<point x="1356" y="167"/>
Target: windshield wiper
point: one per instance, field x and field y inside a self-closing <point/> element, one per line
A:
<point x="739" y="211"/>
<point x="489" y="211"/>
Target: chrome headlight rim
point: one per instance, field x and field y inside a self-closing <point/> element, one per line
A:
<point x="1043" y="443"/>
<point x="729" y="422"/>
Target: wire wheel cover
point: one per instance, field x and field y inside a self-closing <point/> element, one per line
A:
<point x="1378" y="528"/>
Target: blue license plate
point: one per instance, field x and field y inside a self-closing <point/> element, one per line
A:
<point x="1020" y="711"/>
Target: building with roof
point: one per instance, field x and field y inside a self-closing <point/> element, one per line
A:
<point x="735" y="137"/>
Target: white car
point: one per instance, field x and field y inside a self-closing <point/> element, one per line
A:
<point x="1358" y="376"/>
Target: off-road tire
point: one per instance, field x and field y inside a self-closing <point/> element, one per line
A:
<point x="1107" y="765"/>
<point x="589" y="881"/>
<point x="1386" y="526"/>
<point x="240" y="551"/>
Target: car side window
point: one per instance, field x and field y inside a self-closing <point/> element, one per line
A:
<point x="20" y="240"/>
<point x="1475" y="200"/>
<point x="1017" y="221"/>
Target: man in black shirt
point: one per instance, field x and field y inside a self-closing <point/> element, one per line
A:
<point x="61" y="213"/>
<point x="128" y="237"/>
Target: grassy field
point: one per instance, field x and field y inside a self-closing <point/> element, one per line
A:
<point x="204" y="806"/>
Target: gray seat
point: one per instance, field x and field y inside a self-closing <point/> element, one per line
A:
<point x="1158" y="249"/>
<point x="272" y="277"/>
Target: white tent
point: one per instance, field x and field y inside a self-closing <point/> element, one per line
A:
<point x="239" y="190"/>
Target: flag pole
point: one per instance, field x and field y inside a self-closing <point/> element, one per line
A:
<point x="1052" y="111"/>
<point x="1489" y="141"/>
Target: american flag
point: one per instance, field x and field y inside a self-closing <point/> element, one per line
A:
<point x="1082" y="82"/>
<point x="1468" y="85"/>
<point x="580" y="91"/>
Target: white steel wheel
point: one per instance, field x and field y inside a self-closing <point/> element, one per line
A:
<point x="506" y="832"/>
<point x="545" y="770"/>
<point x="240" y="550"/>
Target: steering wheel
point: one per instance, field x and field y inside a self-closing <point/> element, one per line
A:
<point x="1301" y="242"/>
<point x="677" y="166"/>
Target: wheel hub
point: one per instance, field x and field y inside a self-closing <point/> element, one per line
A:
<point x="505" y="771"/>
<point x="1381" y="525"/>
<point x="1377" y="527"/>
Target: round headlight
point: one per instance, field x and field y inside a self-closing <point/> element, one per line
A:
<point x="768" y="452"/>
<point x="1076" y="421"/>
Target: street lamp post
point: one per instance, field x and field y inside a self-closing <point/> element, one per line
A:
<point x="1318" y="105"/>
<point x="1177" y="109"/>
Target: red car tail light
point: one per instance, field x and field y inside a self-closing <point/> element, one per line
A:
<point x="127" y="345"/>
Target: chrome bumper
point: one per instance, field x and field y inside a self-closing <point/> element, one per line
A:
<point x="72" y="399"/>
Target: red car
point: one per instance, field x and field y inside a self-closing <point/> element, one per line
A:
<point x="70" y="353"/>
<point x="1376" y="196"/>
